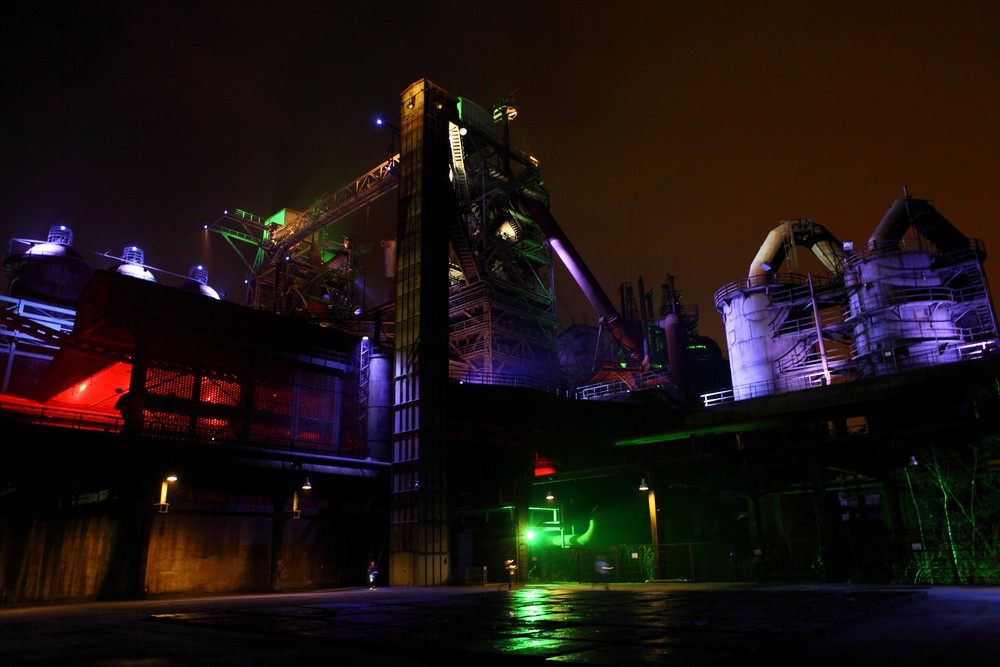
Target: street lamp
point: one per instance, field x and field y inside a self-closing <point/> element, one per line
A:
<point x="306" y="486"/>
<point x="382" y="122"/>
<point x="653" y="533"/>
<point x="163" y="504"/>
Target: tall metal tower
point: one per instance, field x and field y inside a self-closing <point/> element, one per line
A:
<point x="503" y="315"/>
<point x="474" y="299"/>
<point x="419" y="547"/>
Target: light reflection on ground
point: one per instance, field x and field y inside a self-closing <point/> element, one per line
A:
<point x="626" y="625"/>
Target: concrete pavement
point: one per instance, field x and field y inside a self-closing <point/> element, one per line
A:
<point x="641" y="624"/>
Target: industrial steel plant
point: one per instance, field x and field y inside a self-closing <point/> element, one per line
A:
<point x="417" y="402"/>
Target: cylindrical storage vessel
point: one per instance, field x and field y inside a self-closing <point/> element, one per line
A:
<point x="747" y="317"/>
<point x="380" y="404"/>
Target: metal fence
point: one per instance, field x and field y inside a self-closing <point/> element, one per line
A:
<point x="682" y="561"/>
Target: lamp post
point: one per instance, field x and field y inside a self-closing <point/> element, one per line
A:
<point x="653" y="533"/>
<point x="306" y="486"/>
<point x="164" y="485"/>
<point x="382" y="122"/>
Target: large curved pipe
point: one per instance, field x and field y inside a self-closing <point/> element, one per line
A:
<point x="921" y="215"/>
<point x="893" y="226"/>
<point x="806" y="233"/>
<point x="581" y="274"/>
<point x="560" y="541"/>
<point x="771" y="253"/>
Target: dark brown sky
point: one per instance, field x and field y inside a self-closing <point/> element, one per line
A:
<point x="673" y="136"/>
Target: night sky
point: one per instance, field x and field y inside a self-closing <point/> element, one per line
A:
<point x="673" y="136"/>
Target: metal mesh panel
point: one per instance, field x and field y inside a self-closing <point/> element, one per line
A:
<point x="316" y="413"/>
<point x="220" y="391"/>
<point x="168" y="382"/>
<point x="210" y="428"/>
<point x="165" y="421"/>
<point x="271" y="397"/>
<point x="272" y="408"/>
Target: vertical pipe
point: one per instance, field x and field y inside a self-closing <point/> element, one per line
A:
<point x="819" y="332"/>
<point x="380" y="407"/>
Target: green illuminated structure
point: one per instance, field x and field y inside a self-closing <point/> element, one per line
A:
<point x="298" y="262"/>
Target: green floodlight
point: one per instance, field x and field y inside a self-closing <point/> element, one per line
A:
<point x="530" y="534"/>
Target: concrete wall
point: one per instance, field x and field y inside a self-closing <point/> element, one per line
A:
<point x="55" y="558"/>
<point x="208" y="554"/>
<point x="98" y="555"/>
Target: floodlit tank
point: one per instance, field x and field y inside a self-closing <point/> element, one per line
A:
<point x="49" y="271"/>
<point x="197" y="282"/>
<point x="917" y="293"/>
<point x="133" y="264"/>
<point x="783" y="329"/>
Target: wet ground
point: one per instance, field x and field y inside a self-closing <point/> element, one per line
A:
<point x="648" y="624"/>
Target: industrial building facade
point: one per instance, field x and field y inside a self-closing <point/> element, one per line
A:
<point x="163" y="441"/>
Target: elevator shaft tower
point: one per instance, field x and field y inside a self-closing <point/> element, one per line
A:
<point x="474" y="300"/>
<point x="419" y="540"/>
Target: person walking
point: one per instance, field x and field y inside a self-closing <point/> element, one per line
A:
<point x="603" y="569"/>
<point x="372" y="572"/>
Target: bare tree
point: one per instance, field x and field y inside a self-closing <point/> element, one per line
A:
<point x="955" y="491"/>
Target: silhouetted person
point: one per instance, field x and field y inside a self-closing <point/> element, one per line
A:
<point x="372" y="573"/>
<point x="511" y="568"/>
<point x="603" y="569"/>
